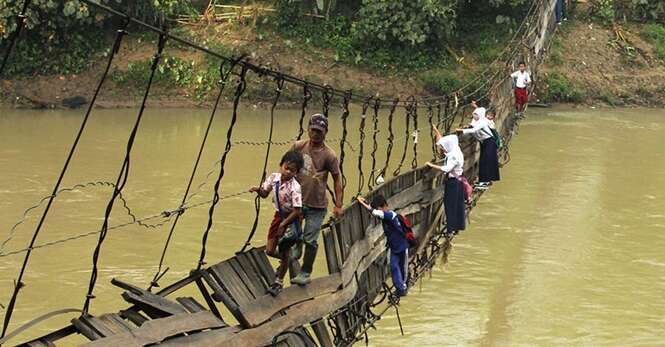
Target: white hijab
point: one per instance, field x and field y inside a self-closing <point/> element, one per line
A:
<point x="479" y="116"/>
<point x="454" y="155"/>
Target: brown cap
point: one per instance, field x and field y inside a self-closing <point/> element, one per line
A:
<point x="318" y="121"/>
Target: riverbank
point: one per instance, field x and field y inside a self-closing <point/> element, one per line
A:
<point x="595" y="65"/>
<point x="589" y="64"/>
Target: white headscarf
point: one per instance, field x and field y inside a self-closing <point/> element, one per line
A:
<point x="479" y="116"/>
<point x="450" y="144"/>
<point x="454" y="155"/>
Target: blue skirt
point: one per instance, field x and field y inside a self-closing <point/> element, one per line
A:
<point x="489" y="161"/>
<point x="453" y="201"/>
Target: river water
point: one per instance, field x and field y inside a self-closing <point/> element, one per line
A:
<point x="566" y="250"/>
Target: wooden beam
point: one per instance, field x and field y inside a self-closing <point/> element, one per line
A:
<point x="155" y="331"/>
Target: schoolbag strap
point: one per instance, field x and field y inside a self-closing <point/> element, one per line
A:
<point x="279" y="207"/>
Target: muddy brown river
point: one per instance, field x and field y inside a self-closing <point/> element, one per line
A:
<point x="567" y="250"/>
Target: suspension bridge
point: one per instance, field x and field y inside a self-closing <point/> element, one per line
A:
<point x="235" y="308"/>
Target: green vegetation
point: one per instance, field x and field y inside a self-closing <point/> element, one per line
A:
<point x="63" y="37"/>
<point x="560" y="89"/>
<point x="402" y="36"/>
<point x="609" y="11"/>
<point x="655" y="34"/>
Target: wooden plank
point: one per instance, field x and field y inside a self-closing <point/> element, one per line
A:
<point x="260" y="258"/>
<point x="141" y="297"/>
<point x="190" y="304"/>
<point x="219" y="294"/>
<point x="330" y="244"/>
<point x="86" y="330"/>
<point x="133" y="316"/>
<point x="201" y="338"/>
<point x="157" y="330"/>
<point x="251" y="280"/>
<point x="252" y="270"/>
<point x="265" y="307"/>
<point x="322" y="333"/>
<point x="152" y="301"/>
<point x="112" y="322"/>
<point x="41" y="343"/>
<point x="228" y="279"/>
<point x="209" y="300"/>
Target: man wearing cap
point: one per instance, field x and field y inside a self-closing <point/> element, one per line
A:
<point x="319" y="161"/>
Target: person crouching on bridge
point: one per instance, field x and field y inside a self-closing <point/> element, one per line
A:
<point x="284" y="230"/>
<point x="454" y="190"/>
<point x="521" y="81"/>
<point x="395" y="238"/>
<point x="320" y="160"/>
<point x="480" y="128"/>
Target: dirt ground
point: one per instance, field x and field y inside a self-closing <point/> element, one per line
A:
<point x="316" y="65"/>
<point x="612" y="66"/>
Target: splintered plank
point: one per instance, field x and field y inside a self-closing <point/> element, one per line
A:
<point x="147" y="300"/>
<point x="155" y="331"/>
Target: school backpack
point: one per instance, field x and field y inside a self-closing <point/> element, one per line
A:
<point x="497" y="138"/>
<point x="407" y="228"/>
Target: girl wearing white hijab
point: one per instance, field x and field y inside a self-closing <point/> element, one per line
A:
<point x="454" y="192"/>
<point x="480" y="129"/>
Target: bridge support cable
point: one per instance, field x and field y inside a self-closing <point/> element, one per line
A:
<point x="224" y="74"/>
<point x="307" y="95"/>
<point x="123" y="175"/>
<point x="240" y="90"/>
<point x="20" y="23"/>
<point x="375" y="145"/>
<point x="342" y="142"/>
<point x="407" y="135"/>
<point x="430" y="120"/>
<point x="257" y="199"/>
<point x="19" y="281"/>
<point x="416" y="133"/>
<point x="361" y="148"/>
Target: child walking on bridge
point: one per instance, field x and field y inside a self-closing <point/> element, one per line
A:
<point x="396" y="239"/>
<point x="481" y="129"/>
<point x="521" y="81"/>
<point x="454" y="191"/>
<point x="284" y="230"/>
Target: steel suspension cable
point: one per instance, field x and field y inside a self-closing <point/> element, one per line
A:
<point x="307" y="95"/>
<point x="375" y="145"/>
<point x="240" y="90"/>
<point x="361" y="174"/>
<point x="224" y="75"/>
<point x="407" y="135"/>
<point x="345" y="115"/>
<point x="123" y="175"/>
<point x="257" y="199"/>
<point x="391" y="138"/>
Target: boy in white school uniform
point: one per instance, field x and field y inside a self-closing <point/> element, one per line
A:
<point x="522" y="79"/>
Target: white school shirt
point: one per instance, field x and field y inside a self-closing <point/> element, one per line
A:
<point x="290" y="193"/>
<point x="454" y="162"/>
<point x="522" y="78"/>
<point x="481" y="130"/>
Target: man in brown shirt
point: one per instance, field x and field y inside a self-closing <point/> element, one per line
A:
<point x="313" y="178"/>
